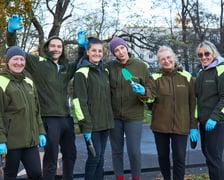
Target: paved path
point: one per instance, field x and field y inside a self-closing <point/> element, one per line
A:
<point x="149" y="159"/>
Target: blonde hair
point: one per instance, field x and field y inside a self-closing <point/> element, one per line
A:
<point x="165" y="48"/>
<point x="208" y="47"/>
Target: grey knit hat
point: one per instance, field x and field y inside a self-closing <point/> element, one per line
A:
<point x="13" y="51"/>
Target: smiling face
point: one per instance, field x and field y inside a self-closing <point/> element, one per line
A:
<point x="56" y="47"/>
<point x="16" y="64"/>
<point x="166" y="59"/>
<point x="95" y="53"/>
<point x="206" y="52"/>
<point x="205" y="56"/>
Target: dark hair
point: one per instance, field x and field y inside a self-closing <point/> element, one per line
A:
<point x="93" y="40"/>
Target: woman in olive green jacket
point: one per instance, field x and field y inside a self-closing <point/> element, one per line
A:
<point x="21" y="128"/>
<point x="173" y="114"/>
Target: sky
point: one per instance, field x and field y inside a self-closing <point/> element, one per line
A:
<point x="141" y="7"/>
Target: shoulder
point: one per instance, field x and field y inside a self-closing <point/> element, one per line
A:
<point x="186" y="74"/>
<point x="84" y="71"/>
<point x="220" y="69"/>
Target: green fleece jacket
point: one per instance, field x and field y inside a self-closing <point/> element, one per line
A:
<point x="174" y="107"/>
<point x="92" y="100"/>
<point x="210" y="92"/>
<point x="51" y="79"/>
<point x="20" y="120"/>
<point x="126" y="104"/>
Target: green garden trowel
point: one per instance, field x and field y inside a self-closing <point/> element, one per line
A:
<point x="127" y="75"/>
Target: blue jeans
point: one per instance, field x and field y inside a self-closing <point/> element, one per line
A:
<point x="178" y="145"/>
<point x="133" y="133"/>
<point x="94" y="165"/>
<point x="212" y="145"/>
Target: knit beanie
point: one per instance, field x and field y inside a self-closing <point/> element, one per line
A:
<point x="13" y="51"/>
<point x="116" y="41"/>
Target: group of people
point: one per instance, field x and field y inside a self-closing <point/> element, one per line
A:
<point x="109" y="101"/>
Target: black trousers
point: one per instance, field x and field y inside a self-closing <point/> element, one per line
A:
<point x="178" y="144"/>
<point x="212" y="145"/>
<point x="31" y="161"/>
<point x="60" y="133"/>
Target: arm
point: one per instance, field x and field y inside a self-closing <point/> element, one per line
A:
<point x="39" y="120"/>
<point x="3" y="147"/>
<point x="14" y="24"/>
<point x="149" y="85"/>
<point x="80" y="101"/>
<point x="192" y="104"/>
<point x="194" y="134"/>
<point x="2" y="105"/>
<point x="217" y="113"/>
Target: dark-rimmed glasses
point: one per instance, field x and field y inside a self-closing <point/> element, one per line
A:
<point x="206" y="54"/>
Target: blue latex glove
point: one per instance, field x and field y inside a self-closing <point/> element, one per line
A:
<point x="87" y="136"/>
<point x="14" y="23"/>
<point x="138" y="88"/>
<point x="194" y="135"/>
<point x="210" y="124"/>
<point x="3" y="148"/>
<point x="42" y="140"/>
<point x="82" y="41"/>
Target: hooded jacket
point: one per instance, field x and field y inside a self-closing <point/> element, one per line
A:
<point x="51" y="79"/>
<point x="210" y="92"/>
<point x="20" y="121"/>
<point x="173" y="109"/>
<point x="92" y="100"/>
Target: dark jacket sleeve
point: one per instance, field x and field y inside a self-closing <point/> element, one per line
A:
<point x="11" y="38"/>
<point x="192" y="104"/>
<point x="218" y="112"/>
<point x="39" y="119"/>
<point x="81" y="105"/>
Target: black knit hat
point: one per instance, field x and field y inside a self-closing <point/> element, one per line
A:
<point x="13" y="51"/>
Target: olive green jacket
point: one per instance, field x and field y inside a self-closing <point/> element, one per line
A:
<point x="173" y="109"/>
<point x="20" y="121"/>
<point x="126" y="104"/>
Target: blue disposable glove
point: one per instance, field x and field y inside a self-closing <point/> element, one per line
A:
<point x="210" y="124"/>
<point x="42" y="140"/>
<point x="14" y="23"/>
<point x="194" y="135"/>
<point x="3" y="148"/>
<point x="82" y="41"/>
<point x="87" y="136"/>
<point x="138" y="88"/>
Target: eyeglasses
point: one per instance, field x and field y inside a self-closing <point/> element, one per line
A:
<point x="206" y="54"/>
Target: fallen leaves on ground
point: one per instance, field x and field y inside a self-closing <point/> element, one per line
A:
<point x="191" y="177"/>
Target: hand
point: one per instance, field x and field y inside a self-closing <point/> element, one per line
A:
<point x="42" y="140"/>
<point x="14" y="23"/>
<point x="138" y="88"/>
<point x="87" y="136"/>
<point x="210" y="124"/>
<point x="194" y="135"/>
<point x="82" y="41"/>
<point x="3" y="148"/>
